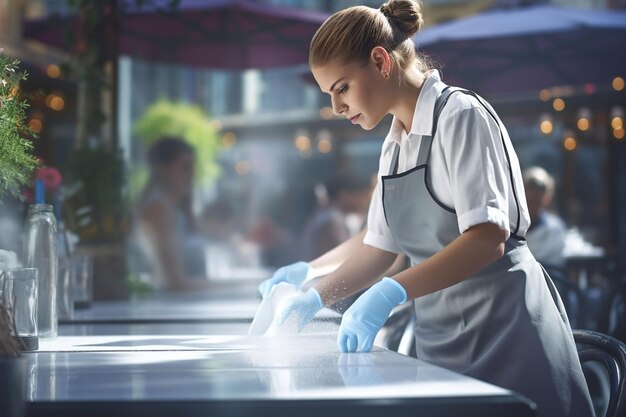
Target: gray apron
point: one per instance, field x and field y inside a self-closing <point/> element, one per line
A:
<point x="506" y="324"/>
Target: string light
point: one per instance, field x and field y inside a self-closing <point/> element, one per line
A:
<point x="558" y="104"/>
<point x="569" y="143"/>
<point x="302" y="141"/>
<point x="618" y="83"/>
<point x="53" y="71"/>
<point x="617" y="118"/>
<point x="545" y="124"/>
<point x="55" y="101"/>
<point x="36" y="121"/>
<point x="35" y="125"/>
<point x="619" y="133"/>
<point x="324" y="143"/>
<point x="584" y="119"/>
<point x="544" y="95"/>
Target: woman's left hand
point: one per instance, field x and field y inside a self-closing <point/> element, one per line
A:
<point x="362" y="321"/>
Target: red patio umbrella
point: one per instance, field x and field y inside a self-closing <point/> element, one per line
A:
<point x="226" y="34"/>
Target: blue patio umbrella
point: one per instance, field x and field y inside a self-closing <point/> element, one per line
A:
<point x="526" y="49"/>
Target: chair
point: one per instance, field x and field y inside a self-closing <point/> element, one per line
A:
<point x="574" y="299"/>
<point x="604" y="358"/>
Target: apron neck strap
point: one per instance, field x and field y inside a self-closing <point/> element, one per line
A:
<point x="424" y="152"/>
<point x="395" y="159"/>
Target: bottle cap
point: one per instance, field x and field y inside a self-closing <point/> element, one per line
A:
<point x="39" y="192"/>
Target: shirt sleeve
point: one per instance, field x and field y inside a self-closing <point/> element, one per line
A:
<point x="378" y="234"/>
<point x="477" y="168"/>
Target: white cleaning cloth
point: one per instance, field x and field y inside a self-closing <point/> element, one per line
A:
<point x="269" y="307"/>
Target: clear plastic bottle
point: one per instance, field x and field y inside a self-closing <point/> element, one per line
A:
<point x="65" y="275"/>
<point x="40" y="251"/>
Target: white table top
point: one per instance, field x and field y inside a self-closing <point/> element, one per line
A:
<point x="126" y="375"/>
<point x="188" y="355"/>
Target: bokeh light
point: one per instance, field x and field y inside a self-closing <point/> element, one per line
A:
<point x="569" y="143"/>
<point x="558" y="104"/>
<point x="53" y="71"/>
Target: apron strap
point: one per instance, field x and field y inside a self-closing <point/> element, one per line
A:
<point x="440" y="104"/>
<point x="424" y="152"/>
<point x="395" y="159"/>
<point x="426" y="142"/>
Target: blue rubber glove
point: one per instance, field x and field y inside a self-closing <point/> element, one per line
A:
<point x="294" y="274"/>
<point x="362" y="321"/>
<point x="299" y="311"/>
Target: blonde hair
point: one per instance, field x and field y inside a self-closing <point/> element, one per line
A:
<point x="351" y="34"/>
<point x="539" y="177"/>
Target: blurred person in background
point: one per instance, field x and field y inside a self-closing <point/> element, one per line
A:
<point x="167" y="232"/>
<point x="450" y="197"/>
<point x="339" y="216"/>
<point x="547" y="231"/>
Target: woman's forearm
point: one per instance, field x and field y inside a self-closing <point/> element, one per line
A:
<point x="332" y="259"/>
<point x="469" y="253"/>
<point x="366" y="265"/>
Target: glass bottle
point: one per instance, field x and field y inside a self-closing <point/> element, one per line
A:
<point x="40" y="251"/>
<point x="65" y="274"/>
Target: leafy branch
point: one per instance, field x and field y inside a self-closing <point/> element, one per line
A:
<point x="16" y="160"/>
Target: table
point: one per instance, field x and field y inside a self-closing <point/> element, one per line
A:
<point x="189" y="355"/>
<point x="227" y="304"/>
<point x="234" y="375"/>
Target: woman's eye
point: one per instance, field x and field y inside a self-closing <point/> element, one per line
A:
<point x="343" y="89"/>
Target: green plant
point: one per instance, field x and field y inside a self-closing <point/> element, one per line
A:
<point x="95" y="207"/>
<point x="190" y="123"/>
<point x="16" y="161"/>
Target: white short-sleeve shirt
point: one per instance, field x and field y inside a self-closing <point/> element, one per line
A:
<point x="469" y="170"/>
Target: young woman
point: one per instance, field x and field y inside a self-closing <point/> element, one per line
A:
<point x="450" y="196"/>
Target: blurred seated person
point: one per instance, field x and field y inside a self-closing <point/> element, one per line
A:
<point x="167" y="232"/>
<point x="346" y="198"/>
<point x="547" y="232"/>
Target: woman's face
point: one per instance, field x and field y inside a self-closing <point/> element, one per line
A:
<point x="178" y="174"/>
<point x="357" y="92"/>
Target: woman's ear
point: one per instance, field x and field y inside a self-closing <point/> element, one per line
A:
<point x="380" y="57"/>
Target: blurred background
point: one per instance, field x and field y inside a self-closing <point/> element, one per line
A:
<point x="107" y="79"/>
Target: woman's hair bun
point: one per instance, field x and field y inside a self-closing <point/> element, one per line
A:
<point x="405" y="15"/>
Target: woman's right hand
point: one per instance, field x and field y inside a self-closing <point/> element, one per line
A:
<point x="298" y="311"/>
<point x="295" y="274"/>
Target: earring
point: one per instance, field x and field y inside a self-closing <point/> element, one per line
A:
<point x="385" y="75"/>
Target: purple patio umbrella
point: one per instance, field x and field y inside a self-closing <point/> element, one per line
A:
<point x="226" y="34"/>
<point x="527" y="49"/>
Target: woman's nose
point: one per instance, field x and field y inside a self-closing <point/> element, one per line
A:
<point x="338" y="106"/>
